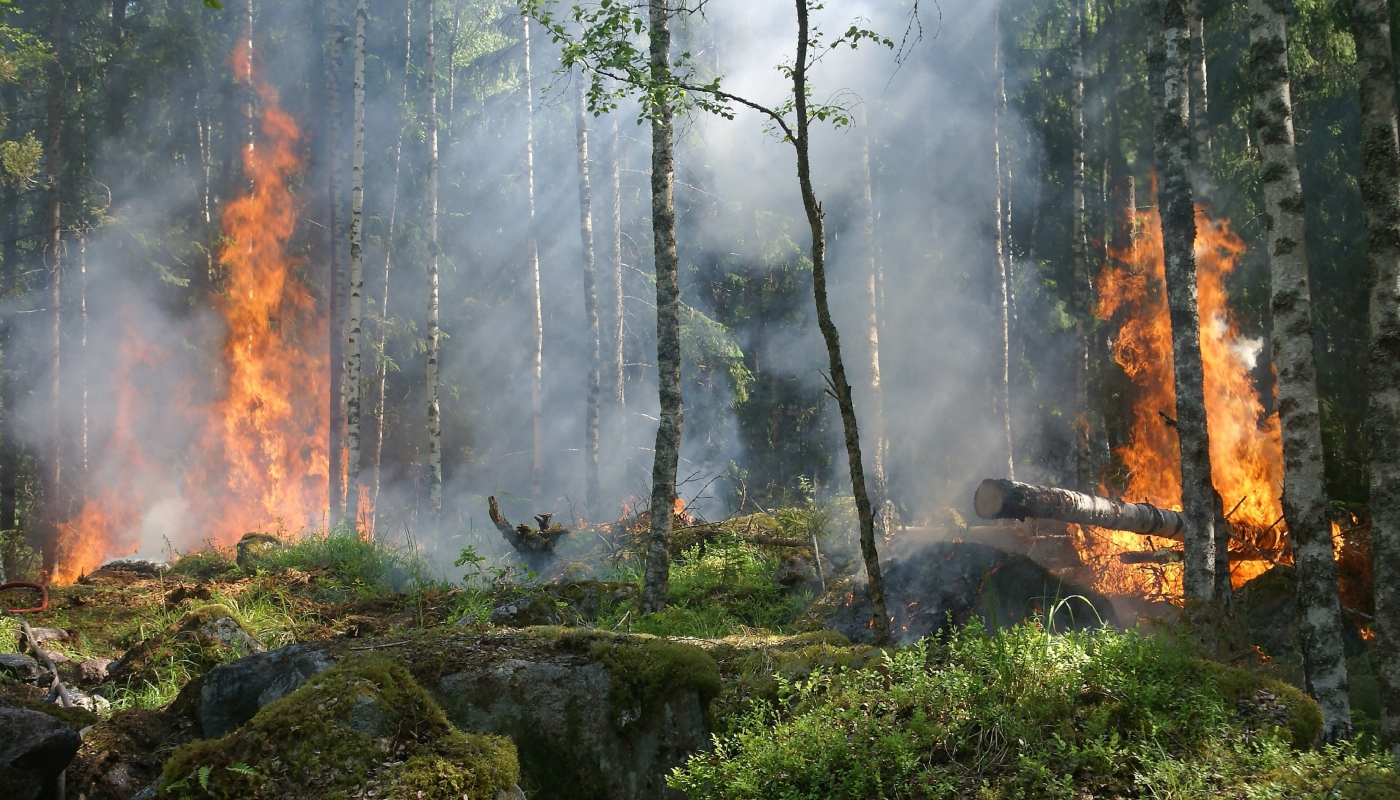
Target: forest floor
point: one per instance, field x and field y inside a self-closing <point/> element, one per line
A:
<point x="1015" y="712"/>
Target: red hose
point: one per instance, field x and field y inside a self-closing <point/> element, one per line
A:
<point x="43" y="594"/>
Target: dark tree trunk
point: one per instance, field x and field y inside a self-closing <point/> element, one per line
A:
<point x="1172" y="133"/>
<point x="1079" y="255"/>
<point x="668" y="325"/>
<point x="54" y="510"/>
<point x="841" y="387"/>
<point x="590" y="312"/>
<point x="1380" y="188"/>
<point x="116" y="71"/>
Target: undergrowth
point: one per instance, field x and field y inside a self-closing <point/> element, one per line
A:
<point x="1027" y="714"/>
<point x="723" y="587"/>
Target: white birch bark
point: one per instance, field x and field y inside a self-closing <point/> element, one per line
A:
<point x="1172" y="133"/>
<point x="532" y="278"/>
<point x="357" y="274"/>
<point x="1304" y="494"/>
<point x="1380" y="189"/>
<point x="590" y="311"/>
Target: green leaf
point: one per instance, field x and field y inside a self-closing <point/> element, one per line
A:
<point x="204" y="776"/>
<point x="214" y="4"/>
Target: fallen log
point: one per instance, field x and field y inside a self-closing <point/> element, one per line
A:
<point x="1003" y="499"/>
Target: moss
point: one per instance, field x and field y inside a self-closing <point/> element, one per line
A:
<point x="32" y="697"/>
<point x="754" y="674"/>
<point x="1236" y="688"/>
<point x="186" y="642"/>
<point x="361" y="723"/>
<point x="645" y="671"/>
<point x="205" y="565"/>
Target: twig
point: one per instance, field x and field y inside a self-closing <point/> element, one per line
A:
<point x="379" y="646"/>
<point x="1237" y="508"/>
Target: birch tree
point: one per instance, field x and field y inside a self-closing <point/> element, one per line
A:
<point x="383" y="371"/>
<point x="1304" y="496"/>
<point x="532" y="276"/>
<point x="1380" y="189"/>
<point x="1172" y="151"/>
<point x="1079" y="251"/>
<point x="1001" y="279"/>
<point x="1200" y="122"/>
<point x="434" y="411"/>
<point x="335" y="299"/>
<point x="53" y="264"/>
<point x="590" y="309"/>
<point x="357" y="271"/>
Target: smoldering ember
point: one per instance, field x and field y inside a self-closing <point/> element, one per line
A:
<point x="492" y="399"/>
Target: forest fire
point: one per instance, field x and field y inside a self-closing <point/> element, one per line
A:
<point x="1245" y="449"/>
<point x="257" y="455"/>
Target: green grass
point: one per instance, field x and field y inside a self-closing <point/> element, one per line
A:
<point x="1027" y="714"/>
<point x="723" y="588"/>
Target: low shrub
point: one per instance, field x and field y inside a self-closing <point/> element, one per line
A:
<point x="1027" y="714"/>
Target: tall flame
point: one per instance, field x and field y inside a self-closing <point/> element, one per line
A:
<point x="1246" y="453"/>
<point x="259" y="455"/>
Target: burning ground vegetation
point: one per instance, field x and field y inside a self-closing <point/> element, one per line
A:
<point x="334" y="666"/>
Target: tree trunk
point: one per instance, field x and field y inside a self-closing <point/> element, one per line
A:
<point x="1002" y="499"/>
<point x="866" y="231"/>
<point x="668" y="324"/>
<point x="1122" y="191"/>
<point x="383" y="377"/>
<point x="1079" y="254"/>
<point x="841" y="387"/>
<point x="616" y="353"/>
<point x="1001" y="279"/>
<point x="1173" y="161"/>
<point x="1305" y="506"/>
<point x="434" y="411"/>
<point x="1200" y="122"/>
<point x="54" y="511"/>
<point x="590" y="312"/>
<point x="1380" y="188"/>
<point x="336" y="399"/>
<point x="532" y="280"/>
<point x="357" y="275"/>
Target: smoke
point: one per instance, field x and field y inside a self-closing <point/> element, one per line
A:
<point x="152" y="327"/>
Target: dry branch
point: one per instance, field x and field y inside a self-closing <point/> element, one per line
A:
<point x="1003" y="499"/>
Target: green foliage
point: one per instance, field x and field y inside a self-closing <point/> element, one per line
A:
<point x="358" y="567"/>
<point x="362" y="723"/>
<point x="1021" y="714"/>
<point x="722" y="587"/>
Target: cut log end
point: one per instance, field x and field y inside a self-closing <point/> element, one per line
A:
<point x="988" y="500"/>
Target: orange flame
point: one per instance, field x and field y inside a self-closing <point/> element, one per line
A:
<point x="260" y="452"/>
<point x="1245" y="449"/>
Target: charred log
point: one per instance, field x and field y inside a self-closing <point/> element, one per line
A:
<point x="1003" y="499"/>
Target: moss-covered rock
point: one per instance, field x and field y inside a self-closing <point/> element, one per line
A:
<point x="1265" y="701"/>
<point x="361" y="724"/>
<point x="645" y="671"/>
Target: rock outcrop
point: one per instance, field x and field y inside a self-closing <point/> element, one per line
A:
<point x="35" y="749"/>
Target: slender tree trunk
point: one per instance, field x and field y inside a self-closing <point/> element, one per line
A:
<point x="668" y="323"/>
<point x="52" y="255"/>
<point x="1079" y="255"/>
<point x="383" y="368"/>
<point x="1200" y="122"/>
<point x="1173" y="162"/>
<point x="434" y="411"/>
<point x="1001" y="280"/>
<point x="80" y="485"/>
<point x="1304" y="495"/>
<point x="865" y="221"/>
<point x="532" y="280"/>
<point x="1380" y="188"/>
<point x="617" y="376"/>
<point x="841" y="387"/>
<point x="335" y="300"/>
<point x="590" y="311"/>
<point x="357" y="274"/>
